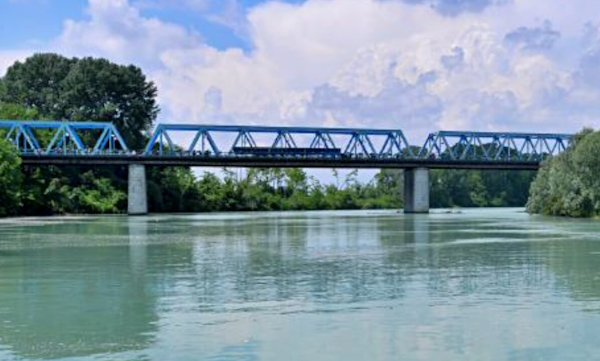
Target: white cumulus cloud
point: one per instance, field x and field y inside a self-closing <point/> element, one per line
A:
<point x="416" y="65"/>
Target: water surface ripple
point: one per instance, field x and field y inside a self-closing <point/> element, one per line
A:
<point x="475" y="285"/>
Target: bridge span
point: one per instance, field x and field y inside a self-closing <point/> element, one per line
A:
<point x="43" y="143"/>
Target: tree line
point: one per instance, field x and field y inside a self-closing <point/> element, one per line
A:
<point x="50" y="86"/>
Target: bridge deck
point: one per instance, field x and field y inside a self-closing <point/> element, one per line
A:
<point x="267" y="162"/>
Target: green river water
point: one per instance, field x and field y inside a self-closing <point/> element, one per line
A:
<point x="366" y="285"/>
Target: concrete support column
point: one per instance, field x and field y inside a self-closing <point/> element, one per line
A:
<point x="137" y="201"/>
<point x="416" y="190"/>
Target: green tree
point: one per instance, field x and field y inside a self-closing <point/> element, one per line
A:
<point x="98" y="195"/>
<point x="568" y="184"/>
<point x="87" y="89"/>
<point x="50" y="86"/>
<point x="36" y="83"/>
<point x="98" y="90"/>
<point x="17" y="112"/>
<point x="10" y="179"/>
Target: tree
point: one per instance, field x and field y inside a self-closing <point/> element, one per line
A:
<point x="568" y="184"/>
<point x="98" y="90"/>
<point x="36" y="83"/>
<point x="17" y="112"/>
<point x="10" y="179"/>
<point x="87" y="89"/>
<point x="50" y="86"/>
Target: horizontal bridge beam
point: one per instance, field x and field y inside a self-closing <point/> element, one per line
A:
<point x="451" y="133"/>
<point x="271" y="129"/>
<point x="164" y="161"/>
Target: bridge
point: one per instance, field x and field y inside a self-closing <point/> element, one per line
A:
<point x="95" y="143"/>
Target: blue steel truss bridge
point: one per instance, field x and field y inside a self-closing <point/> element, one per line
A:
<point x="42" y="143"/>
<point x="95" y="143"/>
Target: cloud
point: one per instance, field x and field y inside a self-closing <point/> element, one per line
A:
<point x="454" y="60"/>
<point x="197" y="5"/>
<point x="117" y="30"/>
<point x="456" y="7"/>
<point x="535" y="39"/>
<point x="314" y="66"/>
<point x="8" y="58"/>
<point x="420" y="66"/>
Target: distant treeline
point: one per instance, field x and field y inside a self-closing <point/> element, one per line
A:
<point x="50" y="86"/>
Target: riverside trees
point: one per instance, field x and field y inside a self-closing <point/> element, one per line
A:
<point x="50" y="86"/>
<point x="11" y="179"/>
<point x="569" y="184"/>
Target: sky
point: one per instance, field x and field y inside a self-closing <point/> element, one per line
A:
<point x="417" y="65"/>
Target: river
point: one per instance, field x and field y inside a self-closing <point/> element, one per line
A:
<point x="485" y="284"/>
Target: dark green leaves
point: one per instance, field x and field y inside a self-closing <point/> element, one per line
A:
<point x="88" y="89"/>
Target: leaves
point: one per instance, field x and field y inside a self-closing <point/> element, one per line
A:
<point x="568" y="184"/>
<point x="11" y="179"/>
<point x="472" y="188"/>
<point x="88" y="89"/>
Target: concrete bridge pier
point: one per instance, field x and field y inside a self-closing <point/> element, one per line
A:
<point x="137" y="199"/>
<point x="416" y="190"/>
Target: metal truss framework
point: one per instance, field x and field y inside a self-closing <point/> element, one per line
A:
<point x="350" y="142"/>
<point x="57" y="137"/>
<point x="278" y="144"/>
<point x="364" y="143"/>
<point x="493" y="147"/>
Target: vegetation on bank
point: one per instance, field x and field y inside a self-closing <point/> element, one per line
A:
<point x="10" y="179"/>
<point x="569" y="184"/>
<point x="50" y="86"/>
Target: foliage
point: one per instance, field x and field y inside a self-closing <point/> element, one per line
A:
<point x="97" y="90"/>
<point x="177" y="190"/>
<point x="17" y="112"/>
<point x="36" y="83"/>
<point x="50" y="190"/>
<point x="50" y="86"/>
<point x="10" y="179"/>
<point x="568" y="184"/>
<point x="471" y="188"/>
<point x="53" y="86"/>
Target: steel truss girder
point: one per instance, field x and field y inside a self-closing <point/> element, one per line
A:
<point x="207" y="140"/>
<point x="65" y="137"/>
<point x="358" y="142"/>
<point x="493" y="147"/>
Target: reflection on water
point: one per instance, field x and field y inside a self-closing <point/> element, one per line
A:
<point x="483" y="284"/>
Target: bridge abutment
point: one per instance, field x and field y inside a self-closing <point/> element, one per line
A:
<point x="137" y="200"/>
<point x="416" y="190"/>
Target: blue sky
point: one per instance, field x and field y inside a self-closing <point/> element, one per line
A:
<point x="27" y="22"/>
<point x="418" y="65"/>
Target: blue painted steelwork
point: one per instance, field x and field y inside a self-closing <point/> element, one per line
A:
<point x="63" y="137"/>
<point x="289" y="152"/>
<point x="492" y="147"/>
<point x="281" y="146"/>
<point x="357" y="142"/>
